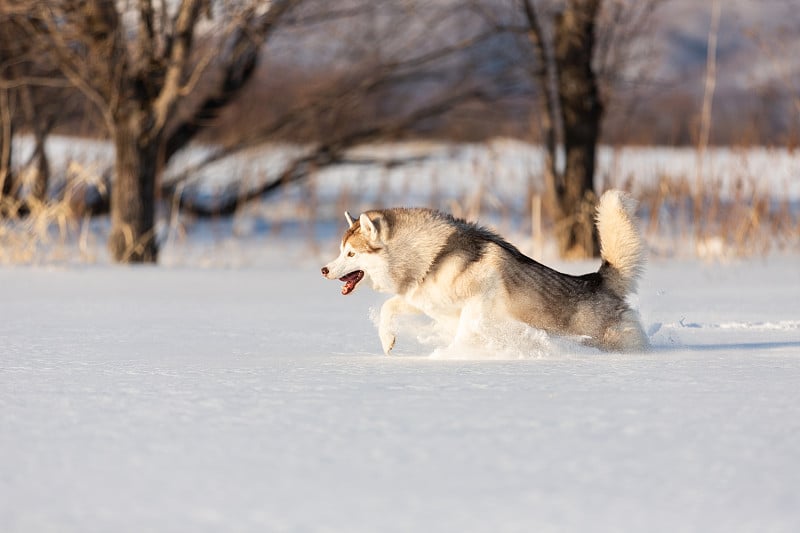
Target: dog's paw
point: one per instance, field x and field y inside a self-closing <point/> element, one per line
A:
<point x="387" y="341"/>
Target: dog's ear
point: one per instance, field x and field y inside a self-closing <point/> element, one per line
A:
<point x="368" y="227"/>
<point x="349" y="218"/>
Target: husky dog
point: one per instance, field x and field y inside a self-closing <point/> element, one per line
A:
<point x="460" y="273"/>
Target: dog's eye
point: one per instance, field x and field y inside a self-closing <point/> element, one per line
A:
<point x="350" y="254"/>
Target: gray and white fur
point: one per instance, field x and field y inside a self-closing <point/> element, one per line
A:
<point x="459" y="273"/>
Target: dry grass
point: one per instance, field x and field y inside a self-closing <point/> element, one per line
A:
<point x="53" y="231"/>
<point x="743" y="220"/>
<point x="44" y="233"/>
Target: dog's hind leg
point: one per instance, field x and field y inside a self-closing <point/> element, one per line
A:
<point x="392" y="307"/>
<point x="626" y="335"/>
<point x="473" y="323"/>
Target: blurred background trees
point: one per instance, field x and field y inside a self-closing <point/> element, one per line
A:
<point x="152" y="76"/>
<point x="135" y="63"/>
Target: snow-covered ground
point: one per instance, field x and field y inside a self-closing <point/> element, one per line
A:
<point x="255" y="399"/>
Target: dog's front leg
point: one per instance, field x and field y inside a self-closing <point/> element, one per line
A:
<point x="392" y="307"/>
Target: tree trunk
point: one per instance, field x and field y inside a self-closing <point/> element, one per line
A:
<point x="132" y="238"/>
<point x="41" y="128"/>
<point x="581" y="112"/>
<point x="6" y="138"/>
<point x="42" y="178"/>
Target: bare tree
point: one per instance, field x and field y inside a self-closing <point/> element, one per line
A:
<point x="139" y="75"/>
<point x="569" y="98"/>
<point x="576" y="49"/>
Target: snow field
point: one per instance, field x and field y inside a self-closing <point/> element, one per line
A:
<point x="175" y="399"/>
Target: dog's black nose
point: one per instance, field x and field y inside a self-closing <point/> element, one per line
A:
<point x="325" y="271"/>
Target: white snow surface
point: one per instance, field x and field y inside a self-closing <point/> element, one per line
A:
<point x="256" y="399"/>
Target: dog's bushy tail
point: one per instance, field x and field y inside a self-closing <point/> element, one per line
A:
<point x="621" y="246"/>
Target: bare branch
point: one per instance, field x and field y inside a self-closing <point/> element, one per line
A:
<point x="182" y="33"/>
<point x="39" y="81"/>
<point x="147" y="36"/>
<point x="68" y="61"/>
<point x="238" y="69"/>
<point x="324" y="155"/>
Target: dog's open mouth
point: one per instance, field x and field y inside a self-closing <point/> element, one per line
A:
<point x="351" y="280"/>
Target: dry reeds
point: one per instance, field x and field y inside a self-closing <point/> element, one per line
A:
<point x="743" y="220"/>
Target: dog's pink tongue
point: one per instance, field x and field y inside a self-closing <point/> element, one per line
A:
<point x="351" y="280"/>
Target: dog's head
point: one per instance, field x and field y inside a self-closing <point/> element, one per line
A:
<point x="359" y="251"/>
